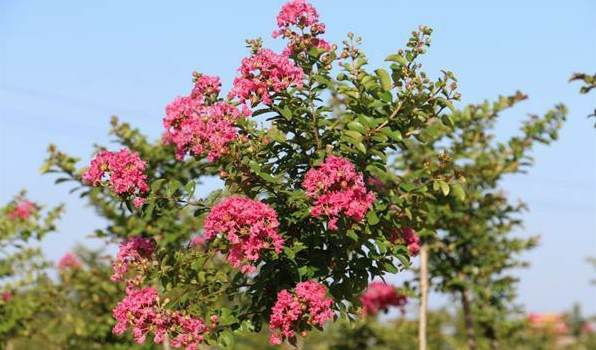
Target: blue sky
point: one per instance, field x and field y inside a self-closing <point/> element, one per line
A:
<point x="66" y="66"/>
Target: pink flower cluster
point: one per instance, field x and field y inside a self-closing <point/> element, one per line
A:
<point x="548" y="322"/>
<point x="264" y="74"/>
<point x="303" y="16"/>
<point x="379" y="296"/>
<point x="205" y="86"/>
<point x="189" y="331"/>
<point x="133" y="251"/>
<point x="337" y="188"/>
<point x="126" y="171"/>
<point x="200" y="129"/>
<point x="409" y="237"/>
<point x="198" y="241"/>
<point x="298" y="13"/>
<point x="6" y="296"/>
<point x="22" y="210"/>
<point x="307" y="304"/>
<point x="140" y="310"/>
<point x="248" y="227"/>
<point x="69" y="261"/>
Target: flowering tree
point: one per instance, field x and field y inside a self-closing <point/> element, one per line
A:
<point x="474" y="249"/>
<point x="309" y="212"/>
<point x="21" y="221"/>
<point x="76" y="306"/>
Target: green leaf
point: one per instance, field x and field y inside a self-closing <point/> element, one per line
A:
<point x="397" y="58"/>
<point x="286" y="112"/>
<point x="444" y="187"/>
<point x="361" y="147"/>
<point x="448" y="120"/>
<point x="254" y="166"/>
<point x="189" y="188"/>
<point x="352" y="235"/>
<point x="405" y="260"/>
<point x="380" y="138"/>
<point x="157" y="184"/>
<point x="226" y="339"/>
<point x="407" y="187"/>
<point x="226" y="317"/>
<point x="384" y="78"/>
<point x="367" y="121"/>
<point x="173" y="186"/>
<point x="394" y="135"/>
<point x="458" y="191"/>
<point x="359" y="62"/>
<point x="354" y="134"/>
<point x="389" y="267"/>
<point x="277" y="135"/>
<point x="372" y="217"/>
<point x="267" y="177"/>
<point x="370" y="83"/>
<point x="357" y="127"/>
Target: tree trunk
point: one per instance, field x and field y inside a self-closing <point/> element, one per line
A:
<point x="422" y="345"/>
<point x="494" y="344"/>
<point x="490" y="334"/>
<point x="468" y="320"/>
<point x="166" y="343"/>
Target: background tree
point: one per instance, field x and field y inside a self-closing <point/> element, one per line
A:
<point x="21" y="267"/>
<point x="77" y="307"/>
<point x="474" y="247"/>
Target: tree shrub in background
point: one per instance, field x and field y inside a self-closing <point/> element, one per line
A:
<point x="470" y="229"/>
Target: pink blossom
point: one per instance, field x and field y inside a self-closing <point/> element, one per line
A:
<point x="248" y="228"/>
<point x="314" y="295"/>
<point x="379" y="296"/>
<point x="22" y="210"/>
<point x="138" y="202"/>
<point x="189" y="331"/>
<point x="69" y="261"/>
<point x="139" y="310"/>
<point x="263" y="74"/>
<point x="337" y="189"/>
<point x="133" y="251"/>
<point x="181" y="109"/>
<point x="298" y="21"/>
<point x="201" y="130"/>
<point x="198" y="241"/>
<point x="323" y="45"/>
<point x="548" y="322"/>
<point x="205" y="85"/>
<point x="125" y="171"/>
<point x="308" y="304"/>
<point x="298" y="13"/>
<point x="6" y="296"/>
<point x="409" y="237"/>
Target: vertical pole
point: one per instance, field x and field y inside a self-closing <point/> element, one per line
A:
<point x="423" y="297"/>
<point x="166" y="343"/>
<point x="468" y="319"/>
